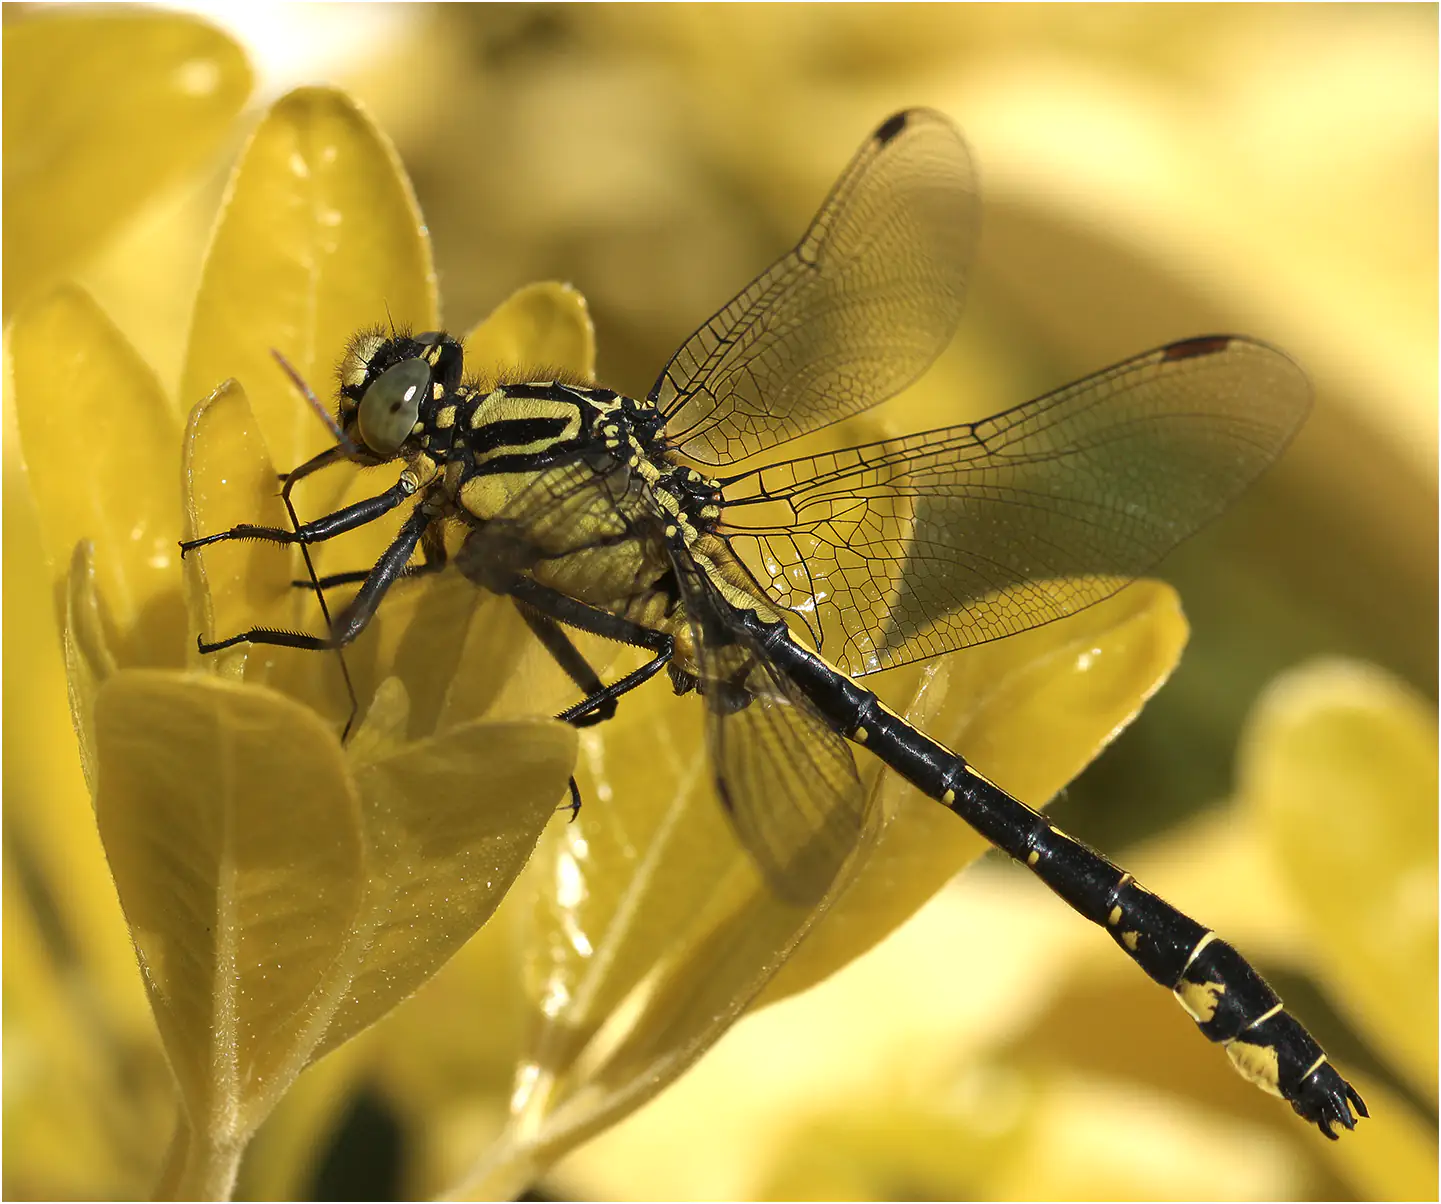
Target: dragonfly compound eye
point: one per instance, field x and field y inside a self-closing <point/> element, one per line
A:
<point x="390" y="406"/>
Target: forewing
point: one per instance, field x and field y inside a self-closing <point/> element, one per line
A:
<point x="850" y="317"/>
<point x="786" y="778"/>
<point x="907" y="548"/>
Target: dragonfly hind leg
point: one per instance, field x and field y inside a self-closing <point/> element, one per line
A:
<point x="570" y="658"/>
<point x="545" y="610"/>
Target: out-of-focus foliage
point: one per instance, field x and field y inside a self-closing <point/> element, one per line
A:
<point x="652" y="930"/>
<point x="1147" y="173"/>
<point x="101" y="113"/>
<point x="972" y="1071"/>
<point x="282" y="893"/>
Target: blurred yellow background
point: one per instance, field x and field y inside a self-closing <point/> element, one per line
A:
<point x="1148" y="172"/>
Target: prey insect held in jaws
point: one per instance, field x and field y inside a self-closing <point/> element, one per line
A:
<point x="622" y="517"/>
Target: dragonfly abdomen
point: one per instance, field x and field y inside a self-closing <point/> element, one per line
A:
<point x="1229" y="1001"/>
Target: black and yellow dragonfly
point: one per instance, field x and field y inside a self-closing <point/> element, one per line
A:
<point x="769" y="591"/>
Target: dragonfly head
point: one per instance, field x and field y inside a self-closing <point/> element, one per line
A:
<point x="387" y="380"/>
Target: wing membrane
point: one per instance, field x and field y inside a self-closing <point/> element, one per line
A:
<point x="907" y="548"/>
<point x="857" y="311"/>
<point x="787" y="778"/>
<point x="564" y="523"/>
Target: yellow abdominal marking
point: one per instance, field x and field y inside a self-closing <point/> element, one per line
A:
<point x="975" y="773"/>
<point x="1200" y="999"/>
<point x="1196" y="952"/>
<point x="1114" y="918"/>
<point x="1257" y="1064"/>
<point x="1032" y="857"/>
<point x="1265" y="1016"/>
<point x="861" y="735"/>
<point x="1130" y="940"/>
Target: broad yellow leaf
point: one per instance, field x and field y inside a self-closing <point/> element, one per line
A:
<point x="234" y="836"/>
<point x="653" y="929"/>
<point x="319" y="237"/>
<point x="100" y="441"/>
<point x="538" y="331"/>
<point x="449" y="822"/>
<point x="232" y="587"/>
<point x="103" y="109"/>
<point x="88" y="659"/>
<point x="282" y="896"/>
<point x="1339" y="769"/>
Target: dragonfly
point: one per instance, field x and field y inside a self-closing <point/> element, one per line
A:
<point x="771" y="591"/>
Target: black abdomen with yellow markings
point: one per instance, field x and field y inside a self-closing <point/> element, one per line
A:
<point x="767" y="590"/>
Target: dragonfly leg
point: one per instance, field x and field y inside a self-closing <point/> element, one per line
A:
<point x="561" y="608"/>
<point x="565" y="654"/>
<point x="433" y="560"/>
<point x="354" y="618"/>
<point x="348" y="518"/>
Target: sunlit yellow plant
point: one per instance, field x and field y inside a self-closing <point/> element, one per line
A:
<point x="283" y="892"/>
<point x="994" y="1049"/>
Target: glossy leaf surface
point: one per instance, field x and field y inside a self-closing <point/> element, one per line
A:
<point x="654" y="930"/>
<point x="319" y="237"/>
<point x="102" y="110"/>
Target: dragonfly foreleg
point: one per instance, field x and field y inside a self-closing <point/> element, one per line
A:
<point x="348" y="518"/>
<point x="354" y="618"/>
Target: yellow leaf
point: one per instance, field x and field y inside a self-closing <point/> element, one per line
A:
<point x="233" y="833"/>
<point x="449" y="822"/>
<point x="1030" y="712"/>
<point x="1339" y="768"/>
<point x="319" y="237"/>
<point x="103" y="109"/>
<point x="282" y="896"/>
<point x="539" y="331"/>
<point x="88" y="659"/>
<point x="72" y="371"/>
<point x="653" y="929"/>
<point x="228" y="479"/>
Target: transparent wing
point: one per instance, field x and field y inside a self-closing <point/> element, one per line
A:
<point x="581" y="516"/>
<point x="787" y="779"/>
<point x="907" y="548"/>
<point x="850" y="317"/>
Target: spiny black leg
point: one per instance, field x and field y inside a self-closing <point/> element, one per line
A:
<point x="355" y="576"/>
<point x="478" y="562"/>
<point x="354" y="618"/>
<point x="433" y="560"/>
<point x="326" y="527"/>
<point x="569" y="658"/>
<point x="565" y="609"/>
<point x="333" y="580"/>
<point x="574" y="805"/>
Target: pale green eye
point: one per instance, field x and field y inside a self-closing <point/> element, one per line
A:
<point x="389" y="408"/>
